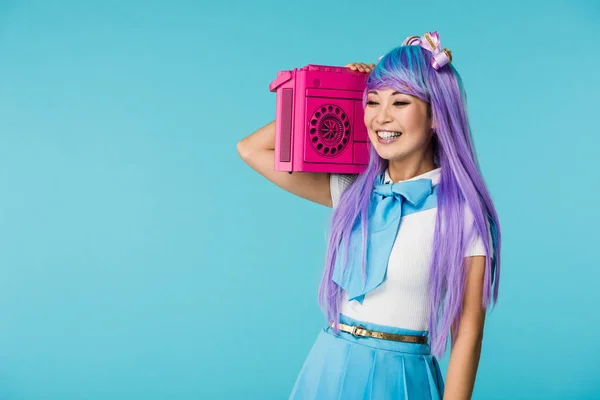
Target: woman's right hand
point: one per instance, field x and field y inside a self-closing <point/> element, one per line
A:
<point x="362" y="67"/>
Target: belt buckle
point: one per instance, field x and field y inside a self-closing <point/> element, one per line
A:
<point x="356" y="328"/>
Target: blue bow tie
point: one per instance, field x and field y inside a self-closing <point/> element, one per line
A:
<point x="389" y="202"/>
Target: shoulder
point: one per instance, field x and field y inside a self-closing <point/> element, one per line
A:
<point x="342" y="179"/>
<point x="338" y="183"/>
<point x="472" y="235"/>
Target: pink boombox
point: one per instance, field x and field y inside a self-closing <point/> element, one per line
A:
<point x="319" y="121"/>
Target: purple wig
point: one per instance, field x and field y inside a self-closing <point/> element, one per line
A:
<point x="407" y="69"/>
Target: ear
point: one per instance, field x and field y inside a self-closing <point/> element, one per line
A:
<point x="433" y="130"/>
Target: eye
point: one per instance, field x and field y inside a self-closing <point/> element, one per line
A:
<point x="371" y="102"/>
<point x="401" y="103"/>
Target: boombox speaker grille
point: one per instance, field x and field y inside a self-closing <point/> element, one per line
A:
<point x="329" y="130"/>
<point x="285" y="154"/>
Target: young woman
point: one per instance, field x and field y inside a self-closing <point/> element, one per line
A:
<point x="414" y="247"/>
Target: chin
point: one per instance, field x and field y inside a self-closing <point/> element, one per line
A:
<point x="393" y="157"/>
<point x="388" y="153"/>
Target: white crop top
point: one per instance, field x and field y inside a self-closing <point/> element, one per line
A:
<point x="402" y="300"/>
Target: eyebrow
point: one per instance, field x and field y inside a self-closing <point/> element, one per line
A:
<point x="375" y="92"/>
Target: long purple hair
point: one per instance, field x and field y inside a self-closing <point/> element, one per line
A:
<point x="407" y="69"/>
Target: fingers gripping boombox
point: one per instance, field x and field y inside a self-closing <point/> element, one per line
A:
<point x="319" y="120"/>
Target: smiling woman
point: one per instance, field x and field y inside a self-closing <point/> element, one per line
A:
<point x="414" y="247"/>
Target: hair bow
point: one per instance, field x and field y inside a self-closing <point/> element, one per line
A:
<point x="431" y="41"/>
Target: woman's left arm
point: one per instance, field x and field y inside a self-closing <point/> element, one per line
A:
<point x="466" y="349"/>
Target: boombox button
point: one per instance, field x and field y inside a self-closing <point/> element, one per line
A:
<point x="327" y="69"/>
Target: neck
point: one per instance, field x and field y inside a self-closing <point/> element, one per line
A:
<point x="401" y="173"/>
<point x="401" y="170"/>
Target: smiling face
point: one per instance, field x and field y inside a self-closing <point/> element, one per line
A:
<point x="399" y="126"/>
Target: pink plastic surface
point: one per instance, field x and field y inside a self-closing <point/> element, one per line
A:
<point x="319" y="120"/>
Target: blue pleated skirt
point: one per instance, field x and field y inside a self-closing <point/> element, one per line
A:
<point x="347" y="367"/>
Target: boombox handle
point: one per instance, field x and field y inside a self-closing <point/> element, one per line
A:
<point x="282" y="78"/>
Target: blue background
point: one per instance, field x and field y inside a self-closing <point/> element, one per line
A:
<point x="140" y="258"/>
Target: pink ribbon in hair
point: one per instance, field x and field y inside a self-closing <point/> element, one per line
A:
<point x="431" y="41"/>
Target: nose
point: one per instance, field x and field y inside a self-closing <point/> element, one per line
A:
<point x="383" y="115"/>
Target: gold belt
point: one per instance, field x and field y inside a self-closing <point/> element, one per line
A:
<point x="360" y="331"/>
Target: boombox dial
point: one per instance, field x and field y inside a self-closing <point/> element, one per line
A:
<point x="329" y="130"/>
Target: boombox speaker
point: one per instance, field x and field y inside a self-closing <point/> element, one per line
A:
<point x="319" y="120"/>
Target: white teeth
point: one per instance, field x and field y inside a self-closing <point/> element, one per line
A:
<point x="388" y="135"/>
